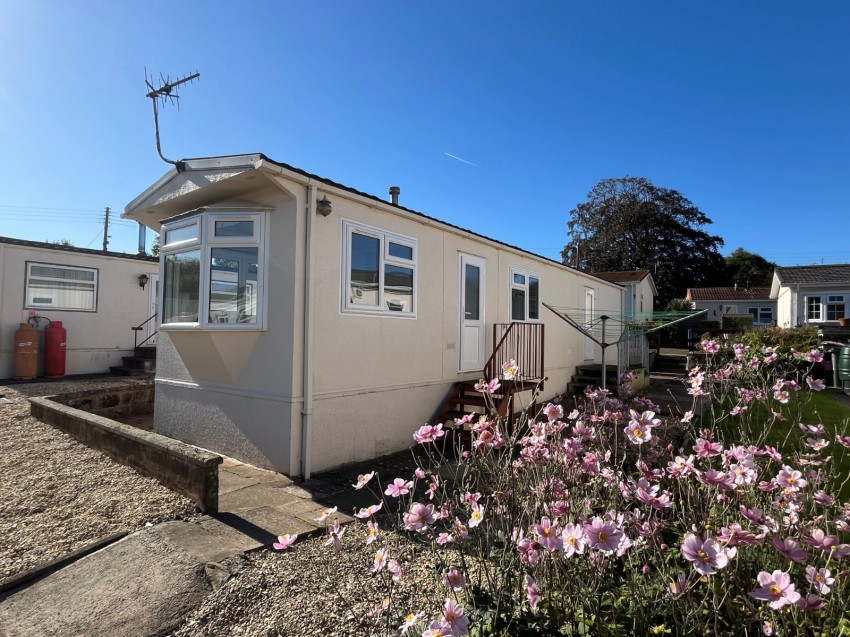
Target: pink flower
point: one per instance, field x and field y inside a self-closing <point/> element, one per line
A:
<point x="325" y="515"/>
<point x="710" y="346"/>
<point x="603" y="536"/>
<point x="790" y="479"/>
<point x="510" y="370"/>
<point x="335" y="534"/>
<point x="410" y="621"/>
<point x="454" y="579"/>
<point x="429" y="433"/>
<point x="399" y="487"/>
<point x="477" y="516"/>
<point x="707" y="448"/>
<point x="821" y="540"/>
<point x="527" y="551"/>
<point x="553" y="412"/>
<point x="844" y="441"/>
<point x="285" y="541"/>
<point x="790" y="549"/>
<point x="573" y="539"/>
<point x="454" y="619"/>
<point x="706" y="555"/>
<point x="445" y="538"/>
<point x="372" y="533"/>
<point x="547" y="536"/>
<point x="419" y="517"/>
<point x="395" y="569"/>
<point x="380" y="561"/>
<point x="679" y="585"/>
<point x="820" y="579"/>
<point x="487" y="388"/>
<point x="776" y="588"/>
<point x="368" y="512"/>
<point x="363" y="479"/>
<point x="712" y="477"/>
<point x="814" y="356"/>
<point x="531" y="591"/>
<point x="815" y="384"/>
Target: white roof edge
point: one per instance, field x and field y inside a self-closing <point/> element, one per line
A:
<point x="231" y="161"/>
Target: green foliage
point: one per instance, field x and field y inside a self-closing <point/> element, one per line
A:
<point x="678" y="305"/>
<point x="801" y="339"/>
<point x="155" y="246"/>
<point x="631" y="224"/>
<point x="748" y="269"/>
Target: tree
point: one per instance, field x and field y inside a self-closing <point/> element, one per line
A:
<point x="631" y="224"/>
<point x="748" y="269"/>
<point x="155" y="246"/>
<point x="62" y="242"/>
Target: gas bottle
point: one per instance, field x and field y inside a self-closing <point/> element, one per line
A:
<point x="25" y="366"/>
<point x="54" y="350"/>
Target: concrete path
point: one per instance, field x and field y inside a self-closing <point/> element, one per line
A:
<point x="147" y="582"/>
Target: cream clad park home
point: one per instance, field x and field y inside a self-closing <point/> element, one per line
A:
<point x="305" y="325"/>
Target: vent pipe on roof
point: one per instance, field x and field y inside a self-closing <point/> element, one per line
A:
<point x="394" y="193"/>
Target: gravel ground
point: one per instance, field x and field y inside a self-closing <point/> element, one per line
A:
<point x="311" y="590"/>
<point x="58" y="495"/>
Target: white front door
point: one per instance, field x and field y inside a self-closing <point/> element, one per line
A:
<point x="471" y="304"/>
<point x="153" y="309"/>
<point x="589" y="345"/>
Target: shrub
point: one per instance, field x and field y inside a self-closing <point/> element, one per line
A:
<point x="614" y="520"/>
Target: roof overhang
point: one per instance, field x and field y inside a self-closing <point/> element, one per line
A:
<point x="194" y="183"/>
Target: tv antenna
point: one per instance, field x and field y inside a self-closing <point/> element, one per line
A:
<point x="165" y="92"/>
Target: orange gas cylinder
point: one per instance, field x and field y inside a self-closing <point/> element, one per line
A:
<point x="25" y="366"/>
<point x="54" y="350"/>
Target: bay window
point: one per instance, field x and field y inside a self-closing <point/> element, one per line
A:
<point x="213" y="268"/>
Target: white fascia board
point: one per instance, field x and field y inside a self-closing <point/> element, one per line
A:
<point x="231" y="162"/>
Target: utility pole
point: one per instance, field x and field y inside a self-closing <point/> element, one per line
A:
<point x="106" y="229"/>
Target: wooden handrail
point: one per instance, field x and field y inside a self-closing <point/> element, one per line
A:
<point x="522" y="342"/>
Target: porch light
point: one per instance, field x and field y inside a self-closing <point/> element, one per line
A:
<point x="143" y="280"/>
<point x="323" y="206"/>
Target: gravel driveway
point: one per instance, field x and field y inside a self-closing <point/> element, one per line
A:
<point x="58" y="495"/>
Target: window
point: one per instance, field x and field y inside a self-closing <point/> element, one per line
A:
<point x="834" y="307"/>
<point x="828" y="307"/>
<point x="525" y="295"/>
<point x="761" y="315"/>
<point x="61" y="287"/>
<point x="380" y="271"/>
<point x="813" y="308"/>
<point x="213" y="266"/>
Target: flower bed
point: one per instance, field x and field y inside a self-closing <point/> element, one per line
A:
<point x="602" y="521"/>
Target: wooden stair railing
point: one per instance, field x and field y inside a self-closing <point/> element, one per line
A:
<point x="520" y="342"/>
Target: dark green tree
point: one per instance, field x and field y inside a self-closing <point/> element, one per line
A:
<point x="747" y="269"/>
<point x="631" y="224"/>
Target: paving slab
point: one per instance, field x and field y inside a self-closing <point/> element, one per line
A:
<point x="199" y="541"/>
<point x="142" y="585"/>
<point x="264" y="476"/>
<point x="229" y="482"/>
<point x="253" y="496"/>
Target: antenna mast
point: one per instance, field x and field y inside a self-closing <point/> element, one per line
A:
<point x="164" y="92"/>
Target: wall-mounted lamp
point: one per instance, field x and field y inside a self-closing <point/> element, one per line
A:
<point x="143" y="280"/>
<point x="323" y="206"/>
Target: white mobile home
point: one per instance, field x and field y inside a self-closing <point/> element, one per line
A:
<point x="306" y="325"/>
<point x="811" y="295"/>
<point x="96" y="295"/>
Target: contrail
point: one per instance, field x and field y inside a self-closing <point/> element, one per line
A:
<point x="461" y="159"/>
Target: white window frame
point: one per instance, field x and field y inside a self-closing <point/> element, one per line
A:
<point x="526" y="289"/>
<point x="205" y="242"/>
<point x="758" y="315"/>
<point x="384" y="237"/>
<point x="49" y="306"/>
<point x="824" y="302"/>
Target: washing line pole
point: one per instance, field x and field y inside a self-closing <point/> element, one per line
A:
<point x="604" y="345"/>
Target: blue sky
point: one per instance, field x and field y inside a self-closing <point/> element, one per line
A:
<point x="741" y="106"/>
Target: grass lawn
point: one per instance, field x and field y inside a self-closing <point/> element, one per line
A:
<point x="811" y="408"/>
